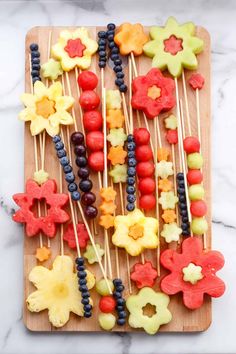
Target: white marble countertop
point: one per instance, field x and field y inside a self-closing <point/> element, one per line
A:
<point x="16" y="17"/>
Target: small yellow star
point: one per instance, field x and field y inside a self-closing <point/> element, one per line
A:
<point x="192" y="273"/>
<point x="40" y="176"/>
<point x="43" y="253"/>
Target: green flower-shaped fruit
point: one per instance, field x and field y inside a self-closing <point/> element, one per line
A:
<point x="199" y="226"/>
<point x="168" y="200"/>
<point x="192" y="273"/>
<point x="196" y="192"/>
<point x="173" y="47"/>
<point x="52" y="69"/>
<point x="195" y="161"/>
<point x="171" y="232"/>
<point x="91" y="255"/>
<point x="164" y="169"/>
<point x="136" y="304"/>
<point x="171" y="122"/>
<point x="117" y="137"/>
<point x="119" y="173"/>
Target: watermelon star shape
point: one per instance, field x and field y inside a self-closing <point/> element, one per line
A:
<point x="174" y="47"/>
<point x="171" y="232"/>
<point x="55" y="204"/>
<point x="46" y="109"/>
<point x="143" y="274"/>
<point x="177" y="262"/>
<point x="82" y="234"/>
<point x="91" y="255"/>
<point x="168" y="200"/>
<point x="117" y="137"/>
<point x="57" y="291"/>
<point x="164" y="169"/>
<point x="74" y="49"/>
<point x="51" y="69"/>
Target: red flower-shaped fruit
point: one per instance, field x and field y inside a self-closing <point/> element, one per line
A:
<point x="75" y="48"/>
<point x="193" y="254"/>
<point x="28" y="201"/>
<point x="196" y="81"/>
<point x="82" y="233"/>
<point x="143" y="274"/>
<point x="153" y="93"/>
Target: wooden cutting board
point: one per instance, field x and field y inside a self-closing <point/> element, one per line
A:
<point x="184" y="320"/>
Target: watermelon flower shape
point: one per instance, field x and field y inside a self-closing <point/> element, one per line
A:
<point x="174" y="47"/>
<point x="143" y="274"/>
<point x="136" y="305"/>
<point x="193" y="272"/>
<point x="69" y="235"/>
<point x="28" y="200"/>
<point x="74" y="49"/>
<point x="46" y="109"/>
<point x="57" y="291"/>
<point x="135" y="232"/>
<point x="153" y="93"/>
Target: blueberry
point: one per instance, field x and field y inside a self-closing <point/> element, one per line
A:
<point x="75" y="196"/>
<point x="86" y="185"/>
<point x="101" y="47"/>
<point x="185" y="219"/>
<point x="70" y="177"/>
<point x="183" y="212"/>
<point x="80" y="268"/>
<point x="117" y="68"/>
<point x="131" y="198"/>
<point x="80" y="150"/>
<point x="184" y="226"/>
<point x="183" y="206"/>
<point x="130" y="181"/>
<point x="88" y="198"/>
<point x="182" y="198"/>
<point x="85" y="294"/>
<point x="118" y="61"/>
<point x="181" y="191"/>
<point x="34" y="47"/>
<point x="36" y="78"/>
<point x="85" y="301"/>
<point x="117" y="295"/>
<point x="181" y="183"/>
<point x="35" y="60"/>
<point x="120" y="75"/>
<point x="64" y="161"/>
<point x="119" y="308"/>
<point x="87" y="314"/>
<point x="131" y="171"/>
<point x="111" y="44"/>
<point x="115" y="50"/>
<point x="72" y="187"/>
<point x="102" y="64"/>
<point x="82" y="274"/>
<point x="102" y="34"/>
<point x="56" y="139"/>
<point x="77" y="138"/>
<point x="91" y="211"/>
<point x="117" y="282"/>
<point x="79" y="261"/>
<point x="120" y="288"/>
<point x="83" y="288"/>
<point x="130" y="138"/>
<point x="114" y="56"/>
<point x="123" y="88"/>
<point x="61" y="153"/>
<point x="180" y="176"/>
<point x="122" y="314"/>
<point x="132" y="162"/>
<point x="120" y="321"/>
<point x="102" y="41"/>
<point x="35" y="54"/>
<point x="131" y="154"/>
<point x="120" y="301"/>
<point x="103" y="58"/>
<point x="87" y="307"/>
<point x="36" y="67"/>
<point x="119" y="82"/>
<point x="59" y="145"/>
<point x="186" y="232"/>
<point x="82" y="281"/>
<point x="130" y="189"/>
<point x="83" y="172"/>
<point x="111" y="26"/>
<point x="130" y="206"/>
<point x="110" y="37"/>
<point x="131" y="146"/>
<point x="67" y="168"/>
<point x="102" y="53"/>
<point x="110" y="32"/>
<point x="81" y="161"/>
<point x="34" y="73"/>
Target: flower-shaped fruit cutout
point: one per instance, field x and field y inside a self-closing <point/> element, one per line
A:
<point x="196" y="81"/>
<point x="165" y="185"/>
<point x="57" y="291"/>
<point x="82" y="234"/>
<point x="106" y="221"/>
<point x="179" y="265"/>
<point x="143" y="274"/>
<point x="27" y="201"/>
<point x="117" y="155"/>
<point x="108" y="194"/>
<point x="117" y="137"/>
<point x="131" y="38"/>
<point x="51" y="69"/>
<point x="153" y="93"/>
<point x="74" y="49"/>
<point x="136" y="305"/>
<point x="173" y="47"/>
<point x="163" y="154"/>
<point x="46" y="109"/>
<point x="108" y="207"/>
<point x="119" y="173"/>
<point x="42" y="254"/>
<point x="90" y="253"/>
<point x="115" y="118"/>
<point x="171" y="122"/>
<point x="135" y="232"/>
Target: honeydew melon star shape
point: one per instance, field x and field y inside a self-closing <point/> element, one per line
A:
<point x="74" y="49"/>
<point x="46" y="108"/>
<point x="174" y="47"/>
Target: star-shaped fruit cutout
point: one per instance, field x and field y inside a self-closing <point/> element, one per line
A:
<point x="42" y="253"/>
<point x="108" y="194"/>
<point x="117" y="155"/>
<point x="143" y="274"/>
<point x="41" y="176"/>
<point x="163" y="154"/>
<point x="51" y="69"/>
<point x="168" y="200"/>
<point x="82" y="234"/>
<point x="119" y="173"/>
<point x="192" y="273"/>
<point x="107" y="207"/>
<point x="171" y="122"/>
<point x="91" y="255"/>
<point x="130" y="38"/>
<point x="196" y="81"/>
<point x="106" y="221"/>
<point x="165" y="185"/>
<point x="164" y="169"/>
<point x="171" y="232"/>
<point x="169" y="216"/>
<point x="117" y="137"/>
<point x="75" y="48"/>
<point x="113" y="99"/>
<point x="115" y="118"/>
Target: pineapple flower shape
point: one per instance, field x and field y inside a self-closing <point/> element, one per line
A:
<point x="193" y="272"/>
<point x="131" y="38"/>
<point x="136" y="303"/>
<point x="135" y="232"/>
<point x="57" y="291"/>
<point x="153" y="93"/>
<point x="173" y="47"/>
<point x="55" y="213"/>
<point x="74" y="49"/>
<point x="46" y="109"/>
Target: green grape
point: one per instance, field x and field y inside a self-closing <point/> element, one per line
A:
<point x="195" y="161"/>
<point x="102" y="288"/>
<point x="107" y="321"/>
<point x="196" y="192"/>
<point x="199" y="226"/>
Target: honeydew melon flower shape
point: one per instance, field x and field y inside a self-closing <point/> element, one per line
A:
<point x="74" y="49"/>
<point x="174" y="46"/>
<point x="46" y="109"/>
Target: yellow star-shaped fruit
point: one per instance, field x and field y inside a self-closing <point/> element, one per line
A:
<point x="192" y="273"/>
<point x="40" y="176"/>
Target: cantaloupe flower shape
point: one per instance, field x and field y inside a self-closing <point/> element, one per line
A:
<point x="57" y="291"/>
<point x="46" y="108"/>
<point x="131" y="38"/>
<point x="74" y="49"/>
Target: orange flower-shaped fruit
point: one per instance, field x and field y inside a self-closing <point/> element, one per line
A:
<point x="165" y="185"/>
<point x="106" y="221"/>
<point x="163" y="154"/>
<point x="108" y="194"/>
<point x="115" y="118"/>
<point x="117" y="155"/>
<point x="169" y="216"/>
<point x="42" y="253"/>
<point x="131" y="38"/>
<point x="107" y="208"/>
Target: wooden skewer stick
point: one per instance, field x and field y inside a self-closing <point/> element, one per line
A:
<point x="186" y="104"/>
<point x="157" y="197"/>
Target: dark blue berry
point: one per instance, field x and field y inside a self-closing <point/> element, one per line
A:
<point x="114" y="56"/>
<point x="186" y="232"/>
<point x="36" y="67"/>
<point x="131" y="154"/>
<point x="120" y="321"/>
<point x="119" y="82"/>
<point x="120" y="301"/>
<point x="82" y="274"/>
<point x="34" y="47"/>
<point x="85" y="294"/>
<point x="111" y="26"/>
<point x="180" y="176"/>
<point x="181" y="183"/>
<point x="102" y="53"/>
<point x="130" y="138"/>
<point x="69" y="177"/>
<point x="77" y="138"/>
<point x="132" y="162"/>
<point x="123" y="88"/>
<point x="59" y="145"/>
<point x="80" y="150"/>
<point x="117" y="282"/>
<point x="72" y="187"/>
<point x="183" y="212"/>
<point x="131" y="171"/>
<point x="83" y="172"/>
<point x="35" y="54"/>
<point x="130" y="206"/>
<point x="185" y="219"/>
<point x="80" y="268"/>
<point x="122" y="314"/>
<point x="118" y="61"/>
<point x="35" y="73"/>
<point x="117" y="68"/>
<point x="81" y="161"/>
<point x="110" y="37"/>
<point x="111" y="44"/>
<point x="82" y="281"/>
<point x="184" y="226"/>
<point x="101" y="47"/>
<point x="120" y="288"/>
<point x="67" y="169"/>
<point x="183" y="206"/>
<point x="87" y="307"/>
<point x="86" y="185"/>
<point x="83" y="288"/>
<point x="130" y="189"/>
<point x="110" y="32"/>
<point x="64" y="161"/>
<point x="56" y="139"/>
<point x="36" y="78"/>
<point x="181" y="190"/>
<point x="102" y="64"/>
<point x="87" y="314"/>
<point x="91" y="211"/>
<point x="102" y="34"/>
<point x="120" y="75"/>
<point x="131" y="181"/>
<point x="104" y="58"/>
<point x="102" y="41"/>
<point x="117" y="295"/>
<point x="115" y="50"/>
<point x="182" y="198"/>
<point x="79" y="261"/>
<point x="131" y="146"/>
<point x="61" y="153"/>
<point x="35" y="60"/>
<point x="120" y="308"/>
<point x="85" y="301"/>
<point x="75" y="196"/>
<point x="131" y="198"/>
